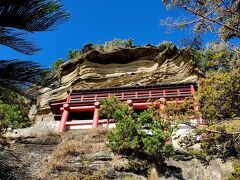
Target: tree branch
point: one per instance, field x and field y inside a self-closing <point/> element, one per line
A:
<point x="206" y="15"/>
<point x="220" y="132"/>
<point x="212" y="20"/>
<point x="230" y="10"/>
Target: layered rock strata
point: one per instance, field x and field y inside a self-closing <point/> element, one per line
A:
<point x="135" y="66"/>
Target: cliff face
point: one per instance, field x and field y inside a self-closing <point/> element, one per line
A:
<point x="82" y="154"/>
<point x="122" y="67"/>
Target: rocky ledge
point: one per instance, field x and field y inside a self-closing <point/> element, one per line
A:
<point x="82" y="154"/>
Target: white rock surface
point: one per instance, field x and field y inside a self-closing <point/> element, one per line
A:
<point x="183" y="131"/>
<point x="40" y="127"/>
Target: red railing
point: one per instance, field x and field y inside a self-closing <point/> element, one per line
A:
<point x="137" y="94"/>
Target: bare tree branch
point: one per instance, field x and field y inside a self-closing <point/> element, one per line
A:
<point x="206" y="15"/>
<point x="212" y="20"/>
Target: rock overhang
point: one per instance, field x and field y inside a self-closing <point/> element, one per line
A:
<point x="122" y="67"/>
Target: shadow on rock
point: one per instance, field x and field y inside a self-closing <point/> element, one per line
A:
<point x="173" y="172"/>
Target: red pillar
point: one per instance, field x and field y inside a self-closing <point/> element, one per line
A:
<point x="96" y="114"/>
<point x="64" y="118"/>
<point x="192" y="90"/>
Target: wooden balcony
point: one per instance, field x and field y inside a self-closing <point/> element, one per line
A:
<point x="136" y="94"/>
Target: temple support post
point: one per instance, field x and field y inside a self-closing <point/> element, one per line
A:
<point x="96" y="114"/>
<point x="192" y="90"/>
<point x="64" y="118"/>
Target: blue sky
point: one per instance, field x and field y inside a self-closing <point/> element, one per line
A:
<point x="99" y="21"/>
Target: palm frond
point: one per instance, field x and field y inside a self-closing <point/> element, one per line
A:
<point x="16" y="76"/>
<point x="16" y="41"/>
<point x="20" y="71"/>
<point x="31" y="15"/>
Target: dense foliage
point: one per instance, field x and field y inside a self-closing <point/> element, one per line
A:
<point x="181" y="112"/>
<point x="219" y="96"/>
<point x="221" y="140"/>
<point x="143" y="134"/>
<point x="215" y="57"/>
<point x="18" y="82"/>
<point x="12" y="116"/>
<point x="110" y="107"/>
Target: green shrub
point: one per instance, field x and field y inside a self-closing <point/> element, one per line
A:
<point x="72" y="54"/>
<point x="124" y="138"/>
<point x="181" y="112"/>
<point x="56" y="64"/>
<point x="219" y="144"/>
<point x="214" y="57"/>
<point x="11" y="116"/>
<point x="221" y="139"/>
<point x="87" y="47"/>
<point x="164" y="45"/>
<point x="119" y="43"/>
<point x="218" y="96"/>
<point x="106" y="47"/>
<point x="236" y="173"/>
<point x="143" y="135"/>
<point x="99" y="47"/>
<point x="198" y="153"/>
<point x="116" y="43"/>
<point x="109" y="106"/>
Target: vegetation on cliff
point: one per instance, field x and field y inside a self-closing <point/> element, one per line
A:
<point x="219" y="95"/>
<point x="16" y="79"/>
<point x="216" y="56"/>
<point x="106" y="47"/>
<point x="57" y="64"/>
<point x="12" y="116"/>
<point x="144" y="135"/>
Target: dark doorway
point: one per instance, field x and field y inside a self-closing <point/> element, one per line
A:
<point x="81" y="116"/>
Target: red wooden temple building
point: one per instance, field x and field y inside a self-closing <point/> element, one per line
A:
<point x="80" y="109"/>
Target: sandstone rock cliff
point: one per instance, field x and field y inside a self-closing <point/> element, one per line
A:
<point x="139" y="65"/>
